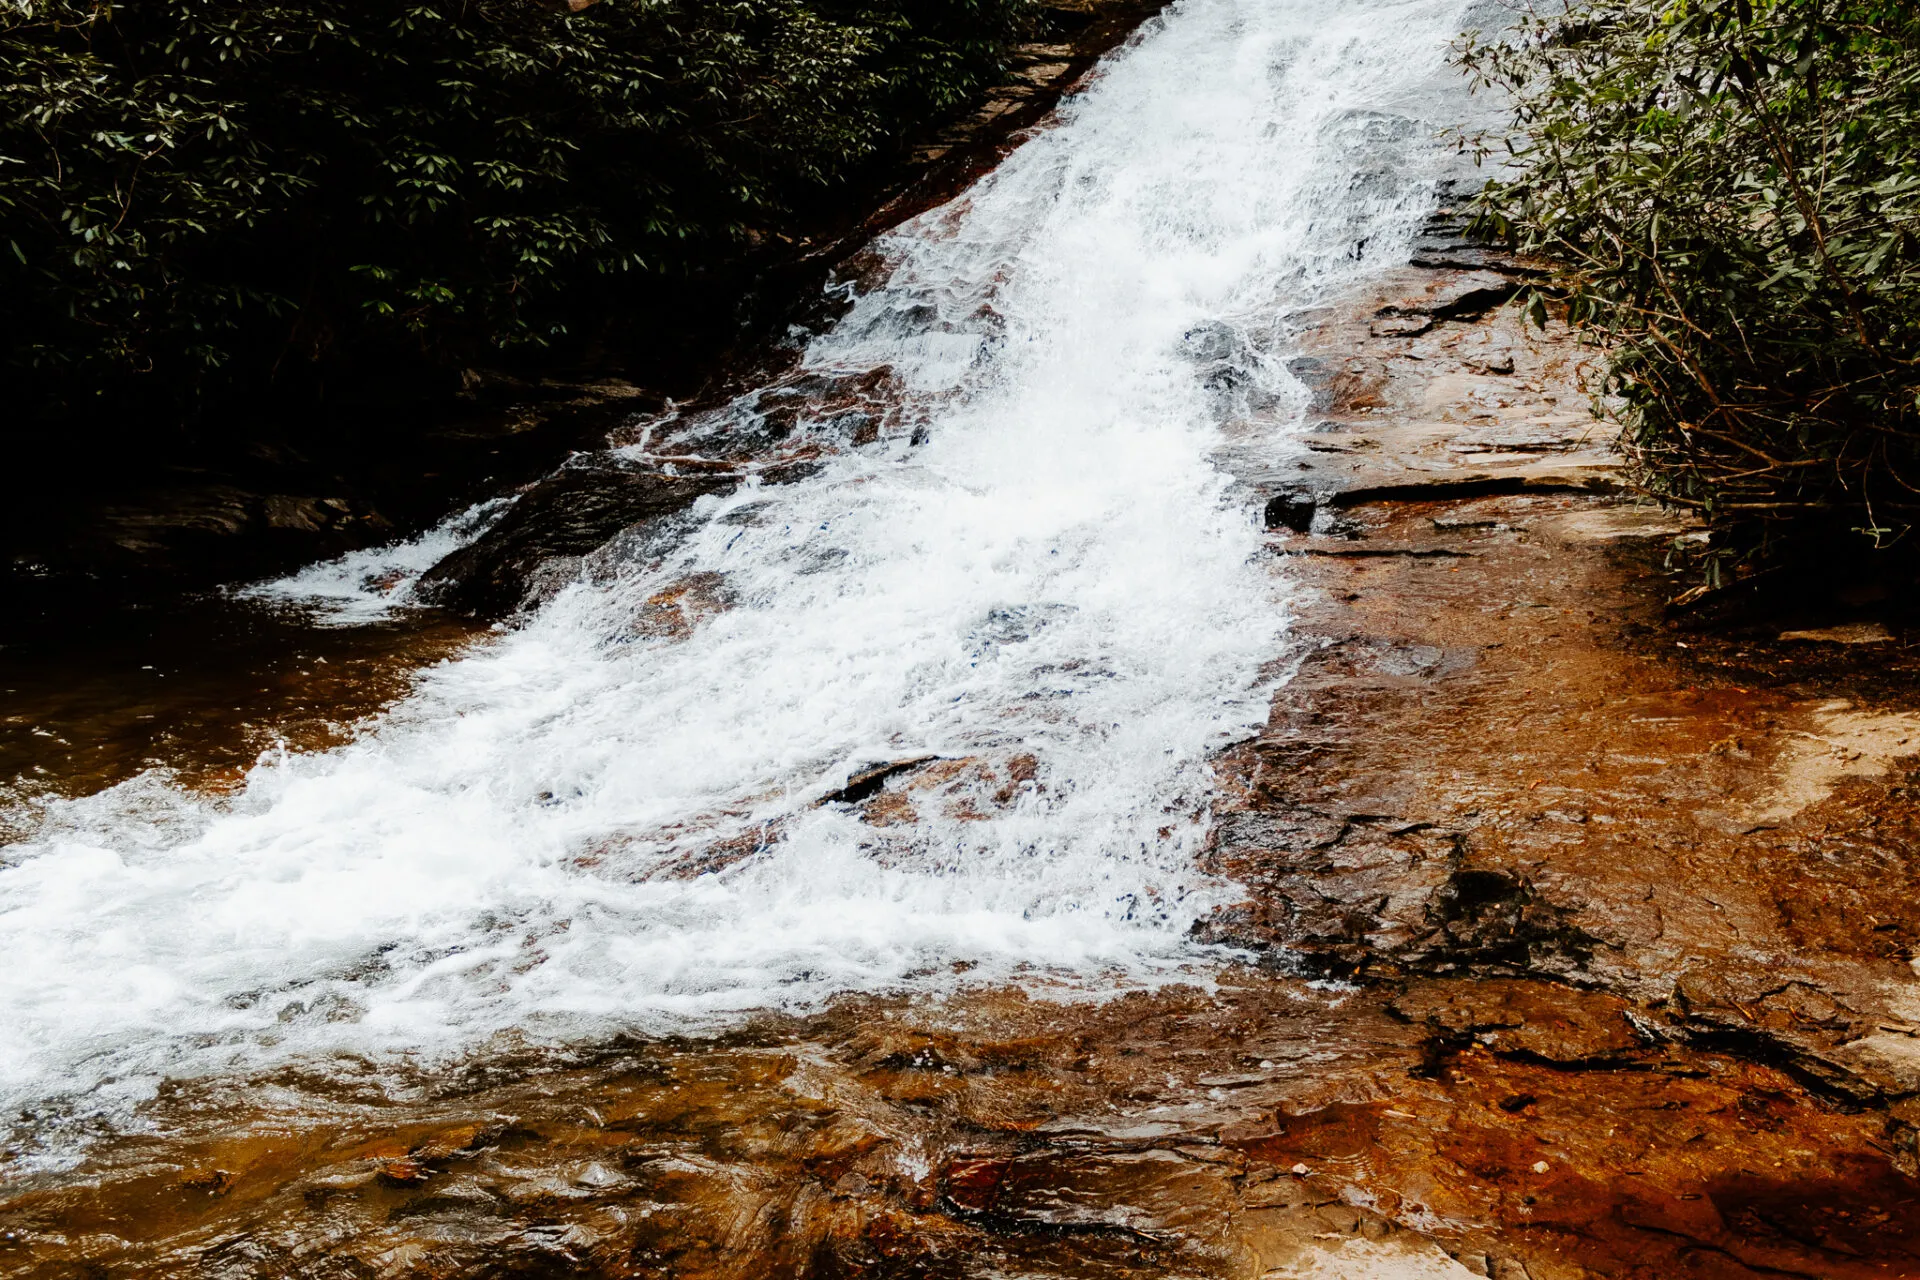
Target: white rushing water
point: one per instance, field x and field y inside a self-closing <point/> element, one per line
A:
<point x="1046" y="582"/>
<point x="374" y="584"/>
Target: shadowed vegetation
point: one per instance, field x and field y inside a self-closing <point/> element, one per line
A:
<point x="208" y="200"/>
<point x="1733" y="187"/>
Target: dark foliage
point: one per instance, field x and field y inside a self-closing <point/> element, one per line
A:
<point x="200" y="198"/>
<point x="1734" y="189"/>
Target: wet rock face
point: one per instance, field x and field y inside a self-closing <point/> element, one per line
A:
<point x="539" y="543"/>
<point x="1450" y="296"/>
<point x="1508" y="1127"/>
<point x="1447" y="242"/>
<point x="1569" y="944"/>
<point x="1368" y="895"/>
<point x="613" y="500"/>
<point x="1527" y="1020"/>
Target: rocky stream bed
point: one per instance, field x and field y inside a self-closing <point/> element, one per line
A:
<point x="1577" y="939"/>
<point x="1577" y="943"/>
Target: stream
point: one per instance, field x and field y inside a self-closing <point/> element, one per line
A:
<point x="1021" y="573"/>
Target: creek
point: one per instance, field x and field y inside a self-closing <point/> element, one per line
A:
<point x="1019" y="565"/>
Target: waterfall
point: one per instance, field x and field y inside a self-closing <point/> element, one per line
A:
<point x="1029" y="579"/>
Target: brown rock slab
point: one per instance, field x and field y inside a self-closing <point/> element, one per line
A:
<point x="1846" y="633"/>
<point x="541" y="539"/>
<point x="1522" y="983"/>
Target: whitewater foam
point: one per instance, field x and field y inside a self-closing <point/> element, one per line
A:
<point x="376" y="583"/>
<point x="1037" y="576"/>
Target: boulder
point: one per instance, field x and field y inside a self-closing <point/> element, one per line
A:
<point x="570" y="513"/>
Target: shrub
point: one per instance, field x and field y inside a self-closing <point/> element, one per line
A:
<point x="201" y="196"/>
<point x="1733" y="187"/>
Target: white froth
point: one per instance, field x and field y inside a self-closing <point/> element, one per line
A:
<point x="1056" y="569"/>
<point x="371" y="585"/>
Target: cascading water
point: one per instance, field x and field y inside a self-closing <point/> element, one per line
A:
<point x="1033" y="572"/>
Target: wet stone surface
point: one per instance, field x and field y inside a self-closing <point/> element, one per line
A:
<point x="1619" y="936"/>
<point x="1238" y="1133"/>
<point x="1574" y="943"/>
